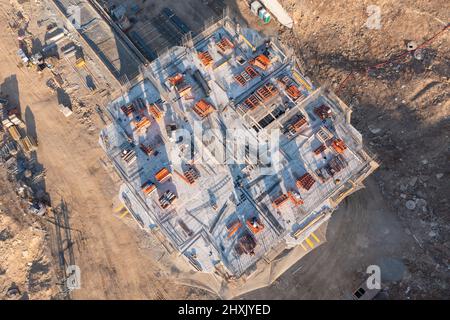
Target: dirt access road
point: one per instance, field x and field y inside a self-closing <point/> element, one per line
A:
<point x="107" y="250"/>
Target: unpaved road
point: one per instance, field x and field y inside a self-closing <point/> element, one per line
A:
<point x="106" y="249"/>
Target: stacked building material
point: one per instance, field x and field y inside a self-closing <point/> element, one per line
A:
<point x="336" y="164"/>
<point x="233" y="228"/>
<point x="167" y="199"/>
<point x="155" y="111"/>
<point x="186" y="229"/>
<point x="203" y="108"/>
<point x="278" y="202"/>
<point x="14" y="133"/>
<point x="128" y="155"/>
<point x="162" y="175"/>
<point x="148" y="188"/>
<point x="323" y="134"/>
<point x="261" y="61"/>
<point x="246" y="244"/>
<point x="245" y="76"/>
<point x="295" y="125"/>
<point x="306" y="181"/>
<point x="128" y="109"/>
<point x="225" y="44"/>
<point x="205" y="58"/>
<point x="16" y="129"/>
<point x="141" y="123"/>
<point x="323" y="112"/>
<point x="320" y="149"/>
<point x="146" y="149"/>
<point x="295" y="198"/>
<point x="339" y="146"/>
<point x="255" y="225"/>
<point x="191" y="175"/>
<point x="176" y="79"/>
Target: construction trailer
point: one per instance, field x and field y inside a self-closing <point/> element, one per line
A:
<point x="258" y="10"/>
<point x="182" y="175"/>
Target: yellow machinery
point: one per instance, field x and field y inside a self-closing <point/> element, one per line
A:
<point x="247" y="42"/>
<point x="80" y="63"/>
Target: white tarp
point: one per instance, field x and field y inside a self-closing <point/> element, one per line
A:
<point x="278" y="11"/>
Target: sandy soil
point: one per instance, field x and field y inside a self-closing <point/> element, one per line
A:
<point x="26" y="266"/>
<point x="113" y="263"/>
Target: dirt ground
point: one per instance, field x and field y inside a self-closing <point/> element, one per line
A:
<point x="401" y="109"/>
<point x="115" y="261"/>
<point x="26" y="266"/>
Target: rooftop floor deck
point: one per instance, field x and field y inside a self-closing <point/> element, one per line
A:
<point x="206" y="206"/>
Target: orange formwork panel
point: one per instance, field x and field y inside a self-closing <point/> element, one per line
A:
<point x="298" y="124"/>
<point x="146" y="149"/>
<point x="293" y="92"/>
<point x="320" y="149"/>
<point x="295" y="198"/>
<point x="338" y="145"/>
<point x="251" y="72"/>
<point x="291" y="88"/>
<point x="224" y="44"/>
<point x="266" y="92"/>
<point x="233" y="228"/>
<point x="255" y="225"/>
<point x="148" y="187"/>
<point x="162" y="175"/>
<point x="155" y="111"/>
<point x="261" y="61"/>
<point x="205" y="58"/>
<point x="176" y="79"/>
<point x="240" y="79"/>
<point x="203" y="108"/>
<point x="252" y="102"/>
<point x="278" y="202"/>
<point x="306" y="181"/>
<point x="127" y="109"/>
<point x="143" y="123"/>
<point x="246" y="75"/>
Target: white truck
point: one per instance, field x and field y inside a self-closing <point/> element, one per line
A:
<point x="258" y="10"/>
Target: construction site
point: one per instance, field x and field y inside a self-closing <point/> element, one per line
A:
<point x="222" y="148"/>
<point x="176" y="140"/>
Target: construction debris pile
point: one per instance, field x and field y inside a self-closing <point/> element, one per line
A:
<point x="25" y="262"/>
<point x="17" y="155"/>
